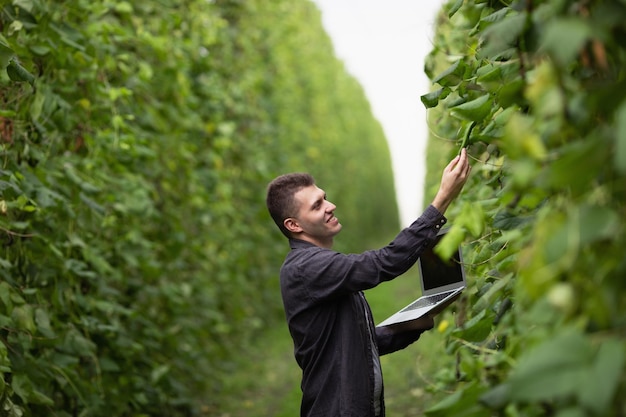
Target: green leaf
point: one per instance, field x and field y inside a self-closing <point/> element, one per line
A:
<point x="37" y="105"/>
<point x="23" y="318"/>
<point x="40" y="50"/>
<point x="25" y="389"/>
<point x="455" y="8"/>
<point x="124" y="7"/>
<point x="565" y="37"/>
<point x="565" y="172"/>
<point x="488" y="297"/>
<point x="17" y="72"/>
<point x="505" y="220"/>
<point x="472" y="218"/>
<point x="596" y="223"/>
<point x="497" y="397"/>
<point x="91" y="203"/>
<point x="452" y="75"/>
<point x="476" y="329"/>
<point x="462" y="403"/>
<point x="63" y="360"/>
<point x="501" y="118"/>
<point x="6" y="53"/>
<point x="73" y="176"/>
<point x="76" y="343"/>
<point x="474" y="110"/>
<point x="5" y="322"/>
<point x="488" y="73"/>
<point x="431" y="99"/>
<point x="43" y="323"/>
<point x="553" y="369"/>
<point x="607" y="368"/>
<point x="158" y="373"/>
<point x="5" y="297"/>
<point x="503" y="34"/>
<point x="448" y="403"/>
<point x="496" y="16"/>
<point x="511" y="93"/>
<point x="68" y="35"/>
<point x="450" y="242"/>
<point x="19" y="14"/>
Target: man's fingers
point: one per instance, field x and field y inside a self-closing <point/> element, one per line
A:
<point x="460" y="162"/>
<point x="453" y="163"/>
<point x="463" y="163"/>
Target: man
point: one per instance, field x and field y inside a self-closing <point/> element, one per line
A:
<point x="335" y="341"/>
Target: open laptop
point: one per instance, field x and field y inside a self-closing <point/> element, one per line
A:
<point x="442" y="283"/>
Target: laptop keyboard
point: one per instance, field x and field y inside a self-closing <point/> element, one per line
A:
<point x="427" y="301"/>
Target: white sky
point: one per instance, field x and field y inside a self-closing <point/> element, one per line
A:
<point x="383" y="44"/>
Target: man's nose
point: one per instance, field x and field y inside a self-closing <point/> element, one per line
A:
<point x="330" y="206"/>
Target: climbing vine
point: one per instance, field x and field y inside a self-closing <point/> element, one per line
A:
<point x="536" y="91"/>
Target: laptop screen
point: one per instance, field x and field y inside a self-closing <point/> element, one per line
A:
<point x="439" y="273"/>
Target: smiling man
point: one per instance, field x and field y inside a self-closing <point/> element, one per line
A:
<point x="336" y="343"/>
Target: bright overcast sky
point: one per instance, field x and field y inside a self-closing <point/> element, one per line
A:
<point x="383" y="43"/>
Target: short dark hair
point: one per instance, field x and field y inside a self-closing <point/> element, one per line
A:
<point x="280" y="197"/>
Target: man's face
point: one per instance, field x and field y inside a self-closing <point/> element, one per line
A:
<point x="315" y="220"/>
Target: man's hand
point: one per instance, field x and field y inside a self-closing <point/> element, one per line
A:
<point x="452" y="181"/>
<point x="400" y="335"/>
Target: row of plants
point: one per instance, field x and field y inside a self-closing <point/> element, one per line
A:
<point x="136" y="141"/>
<point x="536" y="91"/>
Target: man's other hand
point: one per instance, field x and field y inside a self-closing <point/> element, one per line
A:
<point x="452" y="181"/>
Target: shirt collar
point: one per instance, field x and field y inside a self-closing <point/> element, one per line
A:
<point x="300" y="244"/>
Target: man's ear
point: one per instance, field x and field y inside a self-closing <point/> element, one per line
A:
<point x="292" y="225"/>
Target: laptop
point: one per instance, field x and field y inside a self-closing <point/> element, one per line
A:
<point x="442" y="283"/>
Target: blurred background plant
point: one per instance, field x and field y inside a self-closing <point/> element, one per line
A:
<point x="137" y="139"/>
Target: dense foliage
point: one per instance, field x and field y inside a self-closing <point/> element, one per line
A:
<point x="136" y="140"/>
<point x="537" y="92"/>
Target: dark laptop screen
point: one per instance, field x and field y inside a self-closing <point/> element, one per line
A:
<point x="437" y="272"/>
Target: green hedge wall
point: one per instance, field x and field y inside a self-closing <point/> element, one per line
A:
<point x="536" y="90"/>
<point x="136" y="141"/>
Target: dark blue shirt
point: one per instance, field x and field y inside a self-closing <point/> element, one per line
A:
<point x="330" y="321"/>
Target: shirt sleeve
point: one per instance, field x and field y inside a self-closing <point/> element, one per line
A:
<point x="327" y="273"/>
